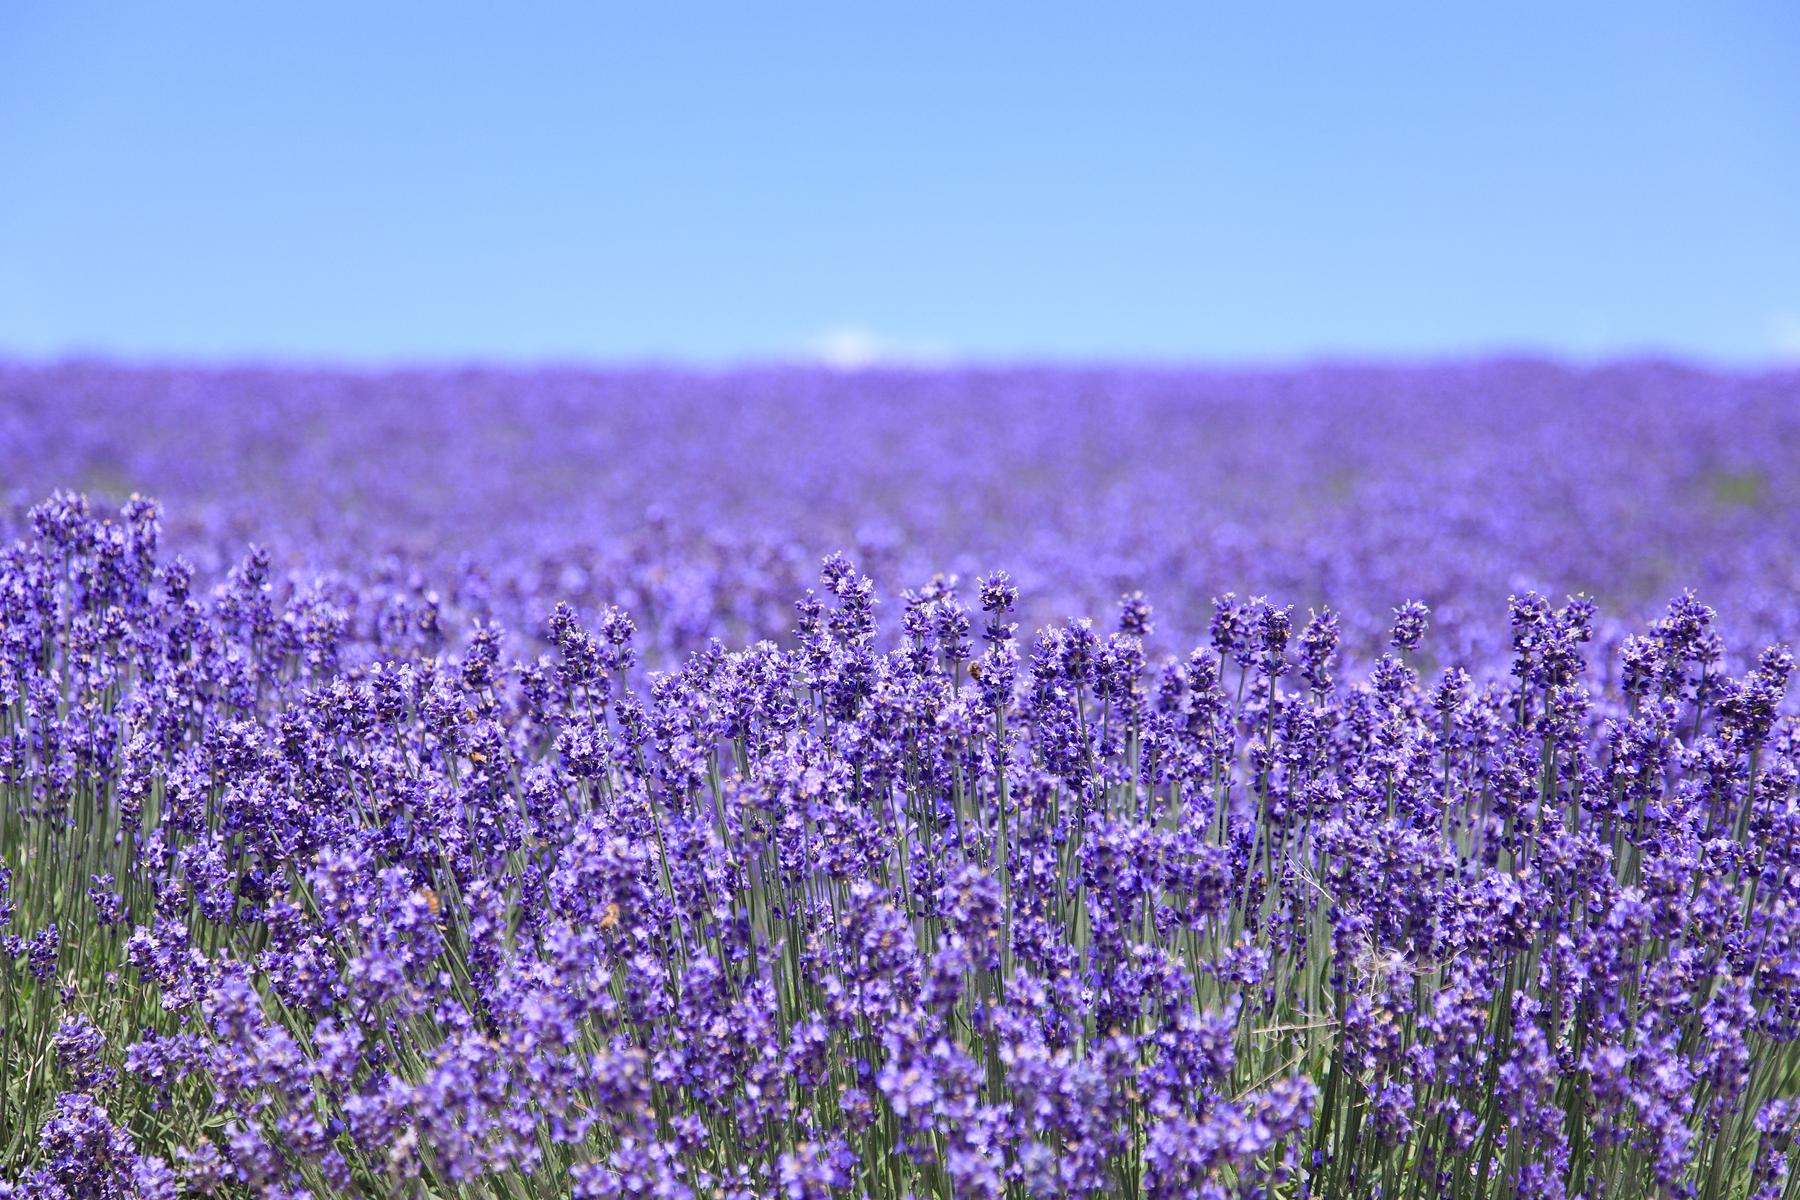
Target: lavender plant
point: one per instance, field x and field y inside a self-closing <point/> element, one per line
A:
<point x="494" y="784"/>
<point x="295" y="902"/>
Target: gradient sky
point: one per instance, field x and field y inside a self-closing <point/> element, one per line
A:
<point x="371" y="183"/>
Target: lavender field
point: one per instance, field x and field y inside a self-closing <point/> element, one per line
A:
<point x="1345" y="782"/>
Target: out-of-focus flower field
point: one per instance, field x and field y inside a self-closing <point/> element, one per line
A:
<point x="703" y="503"/>
<point x="1333" y="782"/>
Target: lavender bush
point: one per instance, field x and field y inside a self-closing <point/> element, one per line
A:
<point x="552" y="810"/>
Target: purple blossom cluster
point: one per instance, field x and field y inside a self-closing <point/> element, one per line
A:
<point x="686" y="861"/>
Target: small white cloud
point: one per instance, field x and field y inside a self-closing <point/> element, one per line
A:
<point x="852" y="348"/>
<point x="1784" y="334"/>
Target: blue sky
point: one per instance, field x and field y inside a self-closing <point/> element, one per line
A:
<point x="372" y="183"/>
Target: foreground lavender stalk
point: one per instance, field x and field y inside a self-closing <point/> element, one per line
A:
<point x="947" y="914"/>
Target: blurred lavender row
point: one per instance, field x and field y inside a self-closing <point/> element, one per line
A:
<point x="703" y="503"/>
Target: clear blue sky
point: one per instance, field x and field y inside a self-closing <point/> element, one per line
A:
<point x="378" y="182"/>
